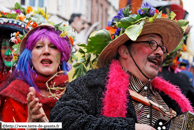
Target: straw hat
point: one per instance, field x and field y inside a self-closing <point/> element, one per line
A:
<point x="170" y="31"/>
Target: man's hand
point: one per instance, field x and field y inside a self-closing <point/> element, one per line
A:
<point x="35" y="111"/>
<point x="143" y="127"/>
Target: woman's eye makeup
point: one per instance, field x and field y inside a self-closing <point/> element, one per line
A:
<point x="53" y="46"/>
<point x="38" y="46"/>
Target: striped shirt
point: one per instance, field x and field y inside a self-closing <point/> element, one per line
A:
<point x="142" y="111"/>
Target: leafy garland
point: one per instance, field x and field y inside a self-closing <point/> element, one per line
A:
<point x="123" y="22"/>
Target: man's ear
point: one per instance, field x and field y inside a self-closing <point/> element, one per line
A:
<point x="123" y="51"/>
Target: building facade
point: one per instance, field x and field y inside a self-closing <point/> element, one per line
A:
<point x="98" y="12"/>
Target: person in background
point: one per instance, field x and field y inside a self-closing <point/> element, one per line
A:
<point x="78" y="22"/>
<point x="170" y="72"/>
<point x="8" y="56"/>
<point x="40" y="75"/>
<point x="130" y="58"/>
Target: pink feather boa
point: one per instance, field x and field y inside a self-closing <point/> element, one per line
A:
<point x="115" y="97"/>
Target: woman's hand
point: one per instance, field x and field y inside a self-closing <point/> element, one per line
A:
<point x="143" y="127"/>
<point x="35" y="110"/>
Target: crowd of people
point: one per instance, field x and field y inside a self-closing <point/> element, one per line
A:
<point x="137" y="83"/>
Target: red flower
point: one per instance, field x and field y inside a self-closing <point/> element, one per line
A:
<point x="184" y="47"/>
<point x="71" y="40"/>
<point x="34" y="24"/>
<point x="112" y="30"/>
<point x="28" y="24"/>
<point x="156" y="11"/>
<point x="18" y="40"/>
<point x="17" y="34"/>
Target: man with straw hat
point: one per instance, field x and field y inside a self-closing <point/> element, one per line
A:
<point x="124" y="93"/>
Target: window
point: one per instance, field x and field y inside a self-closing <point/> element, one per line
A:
<point x="23" y="2"/>
<point x="100" y="17"/>
<point x="32" y="3"/>
<point x="41" y="3"/>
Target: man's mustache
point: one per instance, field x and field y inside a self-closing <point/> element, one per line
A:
<point x="157" y="58"/>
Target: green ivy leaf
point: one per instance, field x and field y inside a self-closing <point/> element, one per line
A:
<point x="80" y="70"/>
<point x="83" y="59"/>
<point x="81" y="51"/>
<point x="134" y="31"/>
<point x="97" y="41"/>
<point x="82" y="45"/>
<point x="88" y="60"/>
<point x="125" y="22"/>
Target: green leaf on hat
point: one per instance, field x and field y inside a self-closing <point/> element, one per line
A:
<point x="16" y="48"/>
<point x="97" y="41"/>
<point x="126" y="11"/>
<point x="159" y="15"/>
<point x="172" y="15"/>
<point x="17" y="6"/>
<point x="125" y="22"/>
<point x="152" y="18"/>
<point x="10" y="16"/>
<point x="184" y="24"/>
<point x="57" y="26"/>
<point x="134" y="31"/>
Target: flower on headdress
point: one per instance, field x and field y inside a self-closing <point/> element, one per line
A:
<point x="146" y="5"/>
<point x="140" y="11"/>
<point x="34" y="24"/>
<point x="66" y="31"/>
<point x="16" y="35"/>
<point x="152" y="11"/>
<point x="29" y="9"/>
<point x="117" y="32"/>
<point x="21" y="17"/>
<point x="18" y="11"/>
<point x="184" y="47"/>
<point x="164" y="16"/>
<point x="112" y="30"/>
<point x="71" y="40"/>
<point x="63" y="34"/>
<point x="28" y="24"/>
<point x="119" y="15"/>
<point x="15" y="57"/>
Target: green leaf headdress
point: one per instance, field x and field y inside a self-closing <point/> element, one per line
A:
<point x="126" y="26"/>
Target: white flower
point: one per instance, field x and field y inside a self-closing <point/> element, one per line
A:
<point x="28" y="15"/>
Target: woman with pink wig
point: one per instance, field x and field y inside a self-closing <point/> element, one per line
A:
<point x="41" y="75"/>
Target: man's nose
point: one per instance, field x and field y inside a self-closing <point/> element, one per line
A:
<point x="159" y="52"/>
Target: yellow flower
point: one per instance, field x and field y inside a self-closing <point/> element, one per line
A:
<point x="63" y="34"/>
<point x="15" y="58"/>
<point x="0" y="15"/>
<point x="29" y="9"/>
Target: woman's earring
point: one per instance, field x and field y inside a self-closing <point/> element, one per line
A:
<point x="32" y="68"/>
<point x="59" y="68"/>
